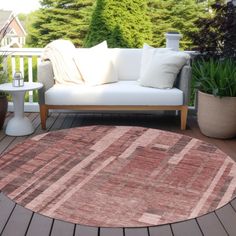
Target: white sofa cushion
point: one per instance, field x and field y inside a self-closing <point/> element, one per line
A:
<point x="120" y="93"/>
<point x="147" y="55"/>
<point x="162" y="69"/>
<point x="127" y="62"/>
<point x="95" y="65"/>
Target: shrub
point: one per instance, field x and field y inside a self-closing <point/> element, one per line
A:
<point x="217" y="35"/>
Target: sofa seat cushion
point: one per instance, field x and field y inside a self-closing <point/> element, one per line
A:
<point x="120" y="93"/>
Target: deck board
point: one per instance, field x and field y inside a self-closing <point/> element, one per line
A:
<point x="18" y="222"/>
<point x="189" y="227"/>
<point x="227" y="216"/>
<point x="6" y="143"/>
<point x="2" y="133"/>
<point x="68" y="121"/>
<point x="81" y="230"/>
<point x="136" y="231"/>
<point x="39" y="226"/>
<point x="62" y="228"/>
<point x="58" y="123"/>
<point x="111" y="231"/>
<point x="164" y="230"/>
<point x="233" y="204"/>
<point x="211" y="226"/>
<point x="77" y="121"/>
<point x="6" y="208"/>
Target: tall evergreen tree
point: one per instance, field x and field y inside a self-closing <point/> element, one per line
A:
<point x="122" y="24"/>
<point x="68" y="19"/>
<point x="175" y="15"/>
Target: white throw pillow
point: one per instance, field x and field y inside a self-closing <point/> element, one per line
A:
<point x="162" y="69"/>
<point x="147" y="53"/>
<point x="96" y="66"/>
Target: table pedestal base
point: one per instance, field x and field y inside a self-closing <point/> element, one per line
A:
<point x="18" y="126"/>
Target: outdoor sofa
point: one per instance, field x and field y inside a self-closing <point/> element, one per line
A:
<point x="124" y="95"/>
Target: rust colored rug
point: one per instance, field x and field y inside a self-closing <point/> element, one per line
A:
<point x="117" y="176"/>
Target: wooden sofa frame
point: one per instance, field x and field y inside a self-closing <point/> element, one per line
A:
<point x="183" y="109"/>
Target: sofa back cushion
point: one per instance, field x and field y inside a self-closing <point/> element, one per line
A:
<point x="162" y="69"/>
<point x="127" y="62"/>
<point x="95" y="65"/>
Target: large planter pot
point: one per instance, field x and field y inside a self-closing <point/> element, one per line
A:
<point x="217" y="116"/>
<point x="3" y="109"/>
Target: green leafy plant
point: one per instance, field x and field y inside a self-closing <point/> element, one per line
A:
<point x="3" y="56"/>
<point x="217" y="77"/>
<point x="3" y="74"/>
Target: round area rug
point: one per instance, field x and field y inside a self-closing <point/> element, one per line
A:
<point x="117" y="176"/>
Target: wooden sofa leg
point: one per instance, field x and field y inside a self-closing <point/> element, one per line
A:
<point x="43" y="115"/>
<point x="184" y="114"/>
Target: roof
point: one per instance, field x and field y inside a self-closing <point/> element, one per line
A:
<point x="4" y="17"/>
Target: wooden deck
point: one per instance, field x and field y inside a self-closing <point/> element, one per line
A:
<point x="18" y="221"/>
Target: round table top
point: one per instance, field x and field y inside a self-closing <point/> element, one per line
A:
<point x="7" y="87"/>
<point x="117" y="176"/>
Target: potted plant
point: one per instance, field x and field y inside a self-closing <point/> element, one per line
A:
<point x="3" y="96"/>
<point x="3" y="78"/>
<point x="215" y="80"/>
<point x="215" y="75"/>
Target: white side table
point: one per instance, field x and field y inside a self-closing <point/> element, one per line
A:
<point x="19" y="125"/>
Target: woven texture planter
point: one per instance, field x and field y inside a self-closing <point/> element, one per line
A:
<point x="217" y="116"/>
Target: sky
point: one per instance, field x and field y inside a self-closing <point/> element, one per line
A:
<point x="19" y="6"/>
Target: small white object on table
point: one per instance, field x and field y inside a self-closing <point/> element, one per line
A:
<point x="19" y="125"/>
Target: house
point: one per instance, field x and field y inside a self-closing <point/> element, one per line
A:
<point x="15" y="33"/>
